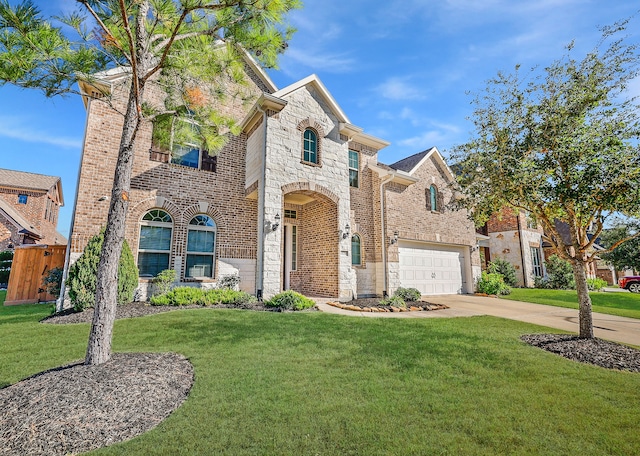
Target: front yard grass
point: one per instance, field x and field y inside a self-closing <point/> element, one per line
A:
<point x="312" y="383"/>
<point x="612" y="303"/>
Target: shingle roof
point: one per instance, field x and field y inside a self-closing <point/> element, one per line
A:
<point x="18" y="218"/>
<point x="21" y="179"/>
<point x="407" y="164"/>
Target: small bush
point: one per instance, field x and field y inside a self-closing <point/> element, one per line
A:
<point x="508" y="271"/>
<point x="492" y="284"/>
<point x="82" y="275"/>
<point x="290" y="300"/>
<point x="230" y="281"/>
<point x="596" y="284"/>
<point x="541" y="282"/>
<point x="52" y="281"/>
<point x="559" y="273"/>
<point x="162" y="282"/>
<point x="6" y="258"/>
<point x="186" y="296"/>
<point x="408" y="294"/>
<point x="394" y="301"/>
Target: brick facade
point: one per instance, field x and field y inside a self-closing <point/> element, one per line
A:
<point x="259" y="175"/>
<point x="39" y="207"/>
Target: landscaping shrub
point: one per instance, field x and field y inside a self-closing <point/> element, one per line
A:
<point x="508" y="271"/>
<point x="290" y="300"/>
<point x="559" y="273"/>
<point x="162" y="282"/>
<point x="52" y="281"/>
<point x="408" y="294"/>
<point x="82" y="275"/>
<point x="6" y="258"/>
<point x="492" y="284"/>
<point x="541" y="282"/>
<point x="394" y="301"/>
<point x="186" y="296"/>
<point x="596" y="284"/>
<point x="229" y="281"/>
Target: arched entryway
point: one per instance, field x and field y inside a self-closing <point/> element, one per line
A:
<point x="310" y="244"/>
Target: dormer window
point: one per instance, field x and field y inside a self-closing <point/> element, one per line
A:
<point x="310" y="146"/>
<point x="22" y="199"/>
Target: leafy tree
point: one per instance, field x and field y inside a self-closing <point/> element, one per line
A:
<point x="188" y="49"/>
<point x="624" y="255"/>
<point x="560" y="143"/>
<point x="6" y="258"/>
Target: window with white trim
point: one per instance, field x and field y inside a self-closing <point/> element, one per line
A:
<point x="154" y="248"/>
<point x="356" y="252"/>
<point x="536" y="261"/>
<point x="310" y="146"/>
<point x="354" y="168"/>
<point x="201" y="242"/>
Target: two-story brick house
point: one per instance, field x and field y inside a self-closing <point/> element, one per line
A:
<point x="298" y="201"/>
<point x="29" y="205"/>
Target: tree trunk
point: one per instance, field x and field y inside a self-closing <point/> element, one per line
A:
<point x="99" y="347"/>
<point x="584" y="300"/>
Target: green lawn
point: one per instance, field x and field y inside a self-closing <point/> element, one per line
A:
<point x="313" y="383"/>
<point x="621" y="304"/>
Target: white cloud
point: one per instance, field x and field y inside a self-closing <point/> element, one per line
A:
<point x="9" y="128"/>
<point x="327" y="63"/>
<point x="423" y="141"/>
<point x="399" y="89"/>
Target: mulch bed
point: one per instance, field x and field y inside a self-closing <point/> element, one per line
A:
<point x="603" y="353"/>
<point x="141" y="309"/>
<point x="78" y="408"/>
<point x="373" y="305"/>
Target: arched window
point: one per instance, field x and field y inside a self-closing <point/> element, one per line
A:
<point x="201" y="242"/>
<point x="356" y="253"/>
<point x="310" y="146"/>
<point x="154" y="247"/>
<point x="433" y="198"/>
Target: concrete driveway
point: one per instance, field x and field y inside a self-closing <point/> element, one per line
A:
<point x="610" y="327"/>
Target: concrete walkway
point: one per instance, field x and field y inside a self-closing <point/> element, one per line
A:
<point x="610" y="327"/>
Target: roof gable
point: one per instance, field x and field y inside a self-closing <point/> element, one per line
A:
<point x="415" y="161"/>
<point x="315" y="82"/>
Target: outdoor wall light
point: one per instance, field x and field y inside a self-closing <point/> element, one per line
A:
<point x="103" y="198"/>
<point x="276" y="224"/>
<point x="394" y="239"/>
<point x="347" y="230"/>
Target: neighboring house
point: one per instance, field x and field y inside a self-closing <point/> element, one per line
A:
<point x="29" y="205"/>
<point x="517" y="238"/>
<point x="293" y="202"/>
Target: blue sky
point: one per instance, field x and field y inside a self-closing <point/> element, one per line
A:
<point x="400" y="69"/>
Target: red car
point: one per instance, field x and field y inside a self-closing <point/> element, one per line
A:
<point x="631" y="283"/>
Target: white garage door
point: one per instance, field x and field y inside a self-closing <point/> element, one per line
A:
<point x="431" y="269"/>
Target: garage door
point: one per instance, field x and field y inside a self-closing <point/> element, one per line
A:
<point x="431" y="269"/>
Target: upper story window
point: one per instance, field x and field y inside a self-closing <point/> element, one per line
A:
<point x="310" y="146"/>
<point x="356" y="252"/>
<point x="432" y="199"/>
<point x="154" y="247"/>
<point x="354" y="168"/>
<point x="22" y="199"/>
<point x="531" y="221"/>
<point x="178" y="141"/>
<point x="201" y="242"/>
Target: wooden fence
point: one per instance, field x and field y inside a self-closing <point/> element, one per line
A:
<point x="31" y="263"/>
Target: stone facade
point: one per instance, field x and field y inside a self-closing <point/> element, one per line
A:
<point x="513" y="235"/>
<point x="282" y="220"/>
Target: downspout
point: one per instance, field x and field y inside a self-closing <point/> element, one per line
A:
<point x="67" y="256"/>
<point x="261" y="199"/>
<point x="384" y="239"/>
<point x="524" y="274"/>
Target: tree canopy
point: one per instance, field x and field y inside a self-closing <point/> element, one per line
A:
<point x="191" y="51"/>
<point x="623" y="254"/>
<point x="559" y="142"/>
